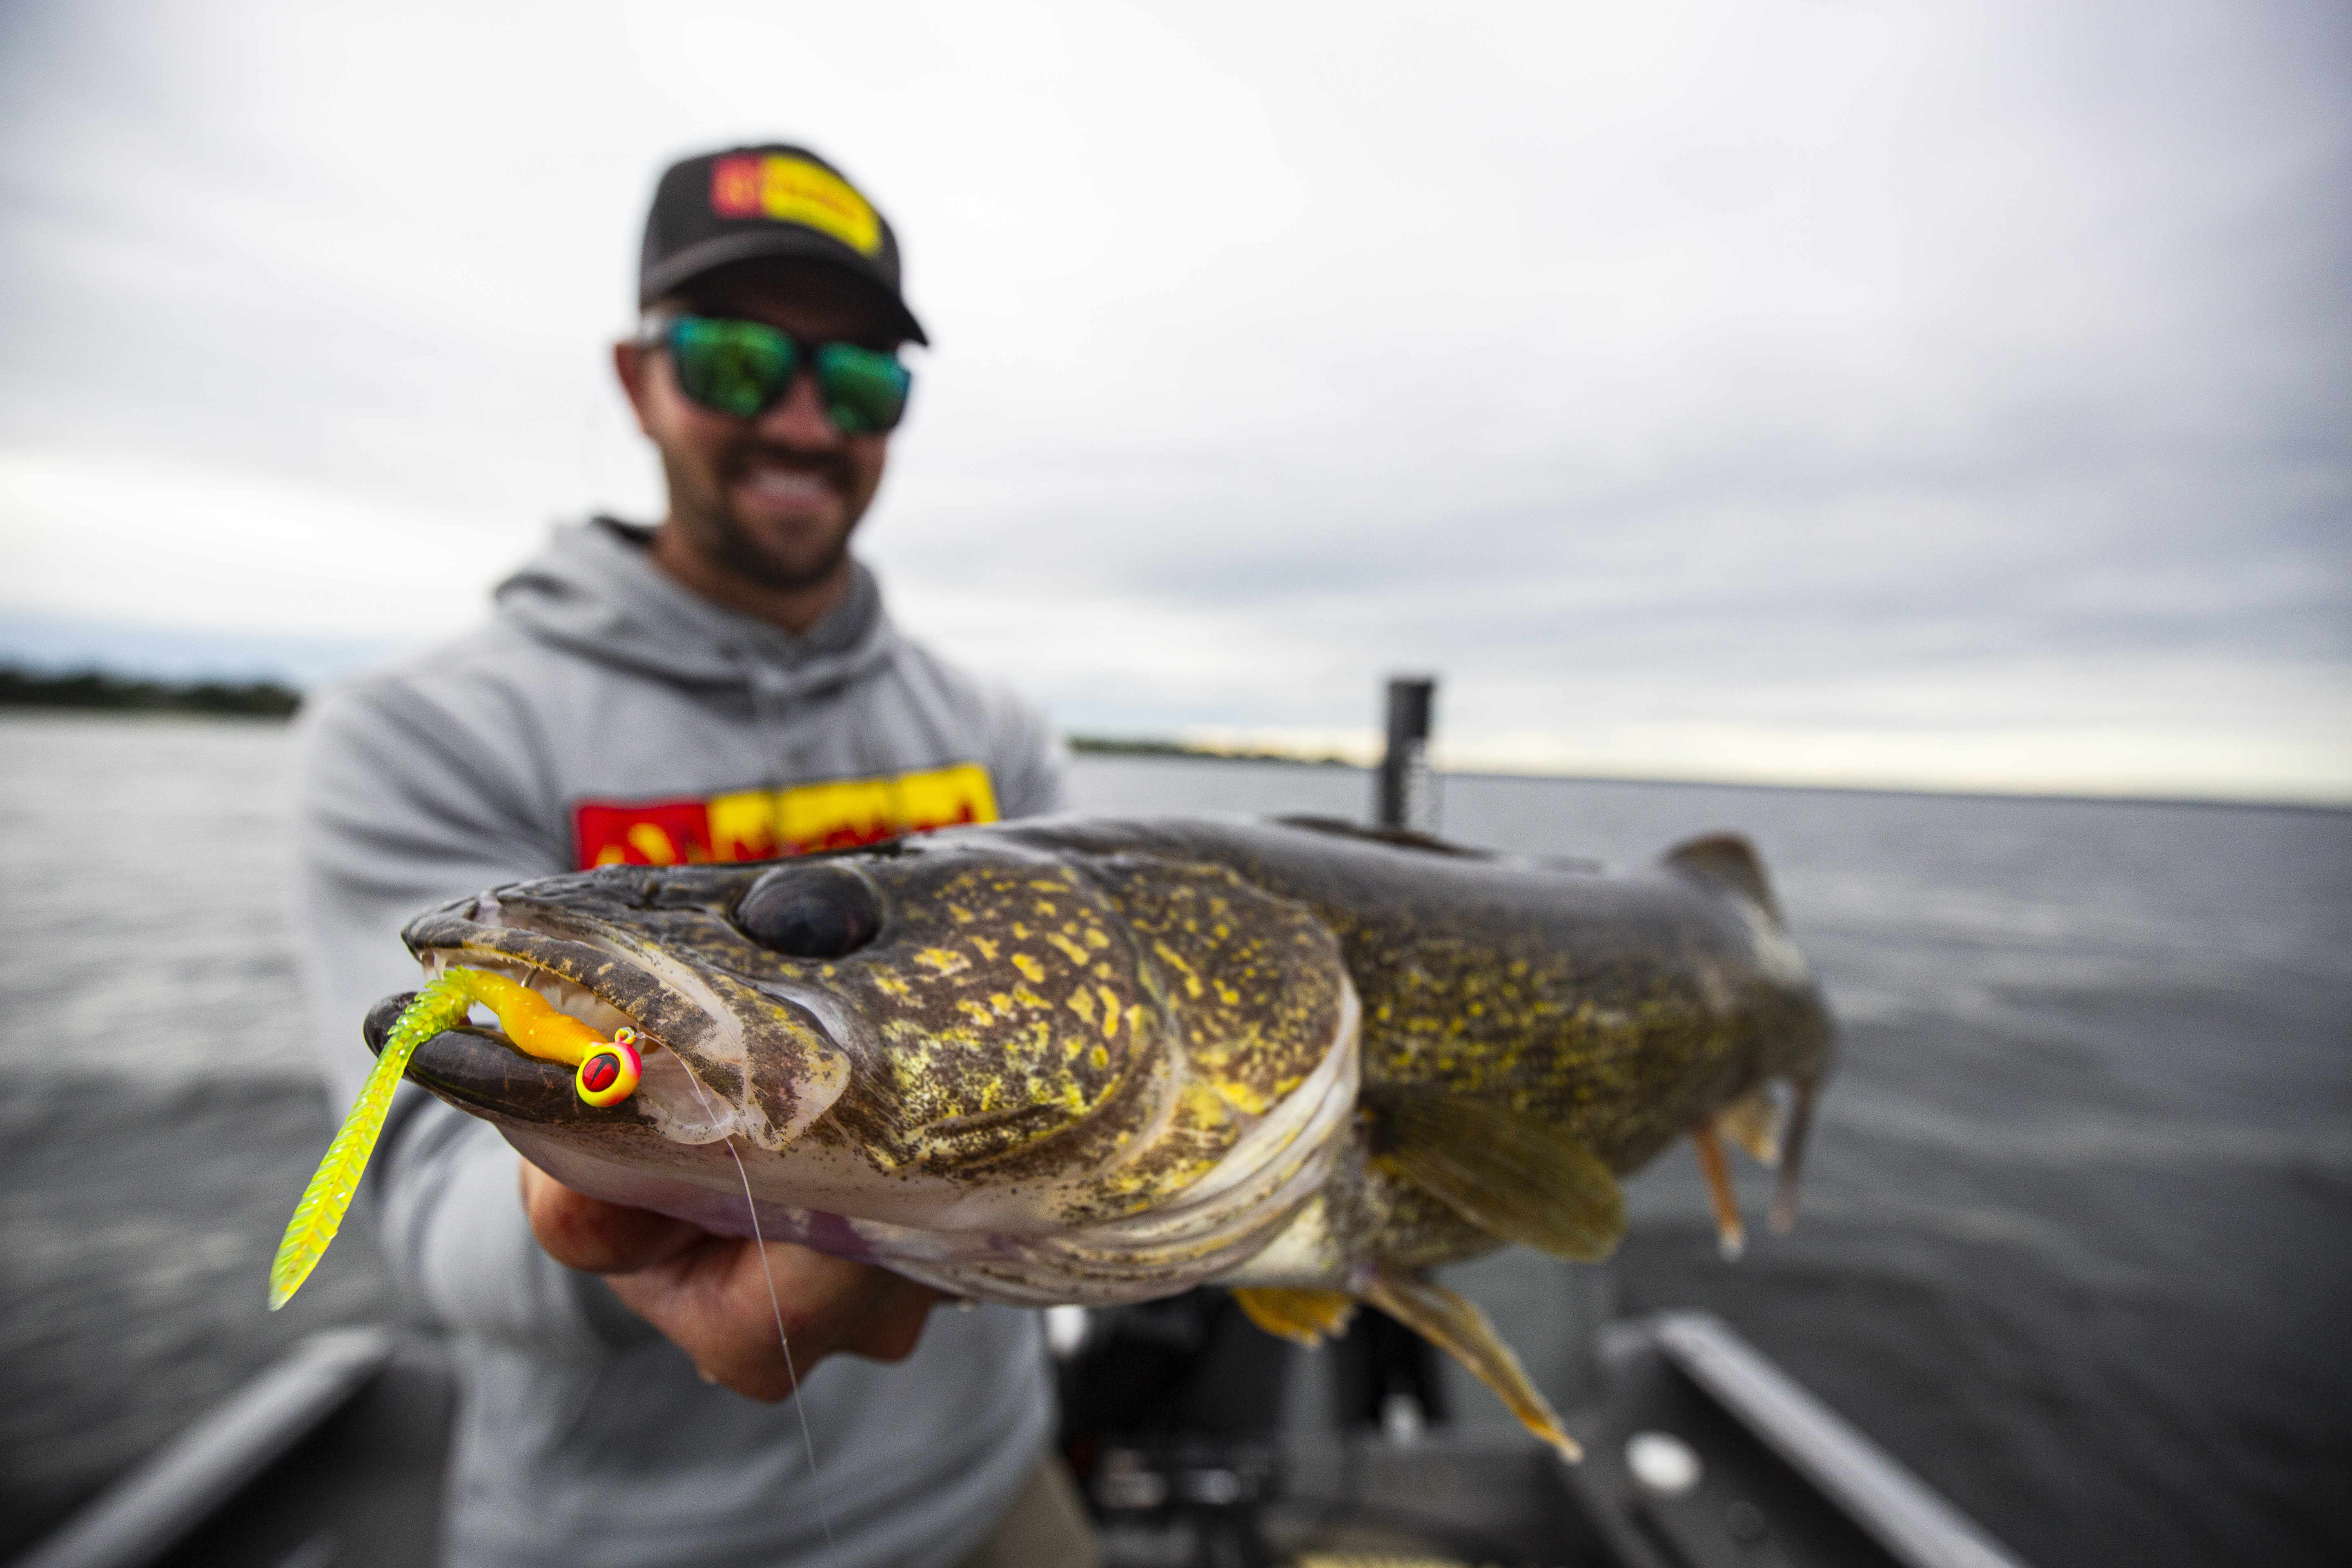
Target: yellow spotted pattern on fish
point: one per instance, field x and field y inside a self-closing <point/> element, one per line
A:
<point x="1018" y="1013"/>
<point x="1477" y="1016"/>
<point x="1014" y="1013"/>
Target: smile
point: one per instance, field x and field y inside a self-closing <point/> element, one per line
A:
<point x="789" y="484"/>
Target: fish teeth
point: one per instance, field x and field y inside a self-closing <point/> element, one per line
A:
<point x="564" y="995"/>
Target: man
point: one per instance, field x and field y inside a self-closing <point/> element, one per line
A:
<point x="724" y="686"/>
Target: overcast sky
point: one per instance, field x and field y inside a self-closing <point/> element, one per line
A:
<point x="1931" y="394"/>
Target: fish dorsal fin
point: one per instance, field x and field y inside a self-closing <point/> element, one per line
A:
<point x="1728" y="861"/>
<point x="1512" y="1175"/>
<point x="1395" y="837"/>
<point x="1407" y="838"/>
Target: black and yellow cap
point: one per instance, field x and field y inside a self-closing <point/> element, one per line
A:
<point x="778" y="200"/>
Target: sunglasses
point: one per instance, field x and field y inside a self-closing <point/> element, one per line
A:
<point x="744" y="368"/>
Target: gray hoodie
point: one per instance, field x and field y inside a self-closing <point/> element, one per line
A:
<point x="606" y="712"/>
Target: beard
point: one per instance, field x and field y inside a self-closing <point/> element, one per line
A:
<point x="733" y="546"/>
<point x="808" y="557"/>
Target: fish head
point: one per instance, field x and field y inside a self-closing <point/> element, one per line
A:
<point x="936" y="1016"/>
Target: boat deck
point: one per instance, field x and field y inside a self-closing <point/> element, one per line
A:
<point x="1699" y="1454"/>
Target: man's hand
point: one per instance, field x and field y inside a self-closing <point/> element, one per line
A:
<point x="708" y="1294"/>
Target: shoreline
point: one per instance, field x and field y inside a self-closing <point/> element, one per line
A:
<point x="268" y="702"/>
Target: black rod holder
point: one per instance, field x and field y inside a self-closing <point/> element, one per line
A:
<point x="1407" y="795"/>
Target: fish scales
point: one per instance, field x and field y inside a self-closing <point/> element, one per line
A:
<point x="1104" y="1061"/>
<point x="1609" y="1004"/>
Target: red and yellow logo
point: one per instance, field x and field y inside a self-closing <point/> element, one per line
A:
<point x="794" y="190"/>
<point x="761" y="824"/>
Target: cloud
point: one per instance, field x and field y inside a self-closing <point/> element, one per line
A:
<point x="1950" y="394"/>
<point x="117" y="536"/>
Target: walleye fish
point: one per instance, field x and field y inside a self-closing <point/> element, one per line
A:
<point x="1079" y="1060"/>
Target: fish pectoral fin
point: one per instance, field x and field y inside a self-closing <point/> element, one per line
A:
<point x="1731" y="1231"/>
<point x="1510" y="1175"/>
<point x="1454" y="1324"/>
<point x="1753" y="1121"/>
<point x="1303" y="1317"/>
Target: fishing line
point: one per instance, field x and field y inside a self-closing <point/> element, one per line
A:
<point x="751" y="1208"/>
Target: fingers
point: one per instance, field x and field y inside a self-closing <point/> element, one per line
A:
<point x="899" y="1308"/>
<point x="709" y="1294"/>
<point x="711" y="1299"/>
<point x="589" y="1233"/>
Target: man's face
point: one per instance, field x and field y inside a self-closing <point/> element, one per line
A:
<point x="771" y="498"/>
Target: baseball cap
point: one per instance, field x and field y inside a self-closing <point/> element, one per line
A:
<point x="776" y="200"/>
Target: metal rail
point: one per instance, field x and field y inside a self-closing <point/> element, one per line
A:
<point x="1898" y="1510"/>
<point x="146" y="1513"/>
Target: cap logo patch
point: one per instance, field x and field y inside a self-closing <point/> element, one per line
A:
<point x="794" y="190"/>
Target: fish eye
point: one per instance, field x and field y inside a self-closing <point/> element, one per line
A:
<point x="810" y="911"/>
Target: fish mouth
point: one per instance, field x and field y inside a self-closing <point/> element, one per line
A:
<point x="578" y="967"/>
<point x="718" y="1059"/>
<point x="478" y="1067"/>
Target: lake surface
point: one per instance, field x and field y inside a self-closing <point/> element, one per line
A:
<point x="2077" y="1242"/>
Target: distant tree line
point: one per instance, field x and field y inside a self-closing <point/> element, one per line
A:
<point x="22" y="687"/>
<point x="87" y="689"/>
<point x="1122" y="746"/>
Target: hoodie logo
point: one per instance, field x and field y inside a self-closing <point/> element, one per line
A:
<point x="762" y="824"/>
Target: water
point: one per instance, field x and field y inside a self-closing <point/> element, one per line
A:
<point x="160" y="1112"/>
<point x="2075" y="1235"/>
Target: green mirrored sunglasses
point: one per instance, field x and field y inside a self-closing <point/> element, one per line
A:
<point x="743" y="368"/>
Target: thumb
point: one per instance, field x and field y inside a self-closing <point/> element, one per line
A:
<point x="598" y="1238"/>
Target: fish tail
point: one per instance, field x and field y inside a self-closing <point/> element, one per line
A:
<point x="1792" y="1155"/>
<point x="320" y="1213"/>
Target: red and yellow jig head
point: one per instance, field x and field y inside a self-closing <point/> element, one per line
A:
<point x="605" y="1073"/>
<point x="608" y="1075"/>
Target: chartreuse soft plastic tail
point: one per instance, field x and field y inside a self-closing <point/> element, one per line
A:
<point x="442" y="1003"/>
<point x="607" y="1073"/>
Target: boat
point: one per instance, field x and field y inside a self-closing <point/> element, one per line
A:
<point x="1699" y="1453"/>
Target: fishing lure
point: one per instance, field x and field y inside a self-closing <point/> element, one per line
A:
<point x="606" y="1072"/>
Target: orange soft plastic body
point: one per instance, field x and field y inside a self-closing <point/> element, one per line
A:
<point x="607" y="1070"/>
<point x="536" y="1028"/>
